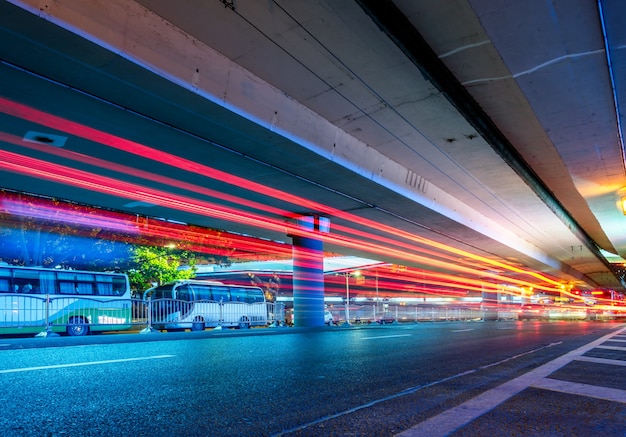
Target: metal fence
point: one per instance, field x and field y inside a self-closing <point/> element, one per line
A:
<point x="21" y="313"/>
<point x="43" y="315"/>
<point x="414" y="313"/>
<point x="198" y="315"/>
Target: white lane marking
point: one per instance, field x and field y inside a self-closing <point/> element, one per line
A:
<point x="385" y="336"/>
<point x="454" y="418"/>
<point x="618" y="341"/>
<point x="602" y="361"/>
<point x="576" y="388"/>
<point x="463" y="330"/>
<point x="87" y="363"/>
<point x="369" y="404"/>
<point x="486" y="366"/>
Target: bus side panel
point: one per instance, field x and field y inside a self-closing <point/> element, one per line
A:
<point x="22" y="311"/>
<point x="235" y="312"/>
<point x="171" y="313"/>
<point x="112" y="315"/>
<point x="258" y="313"/>
<point x="209" y="311"/>
<point x="103" y="315"/>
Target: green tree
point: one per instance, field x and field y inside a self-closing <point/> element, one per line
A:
<point x="153" y="265"/>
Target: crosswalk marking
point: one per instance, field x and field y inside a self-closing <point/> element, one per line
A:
<point x="576" y="388"/>
<point x="459" y="416"/>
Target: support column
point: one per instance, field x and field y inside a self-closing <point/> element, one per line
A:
<point x="490" y="301"/>
<point x="308" y="273"/>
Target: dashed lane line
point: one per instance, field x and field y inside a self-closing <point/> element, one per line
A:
<point x="457" y="417"/>
<point x="376" y="337"/>
<point x="87" y="363"/>
<point x="408" y="391"/>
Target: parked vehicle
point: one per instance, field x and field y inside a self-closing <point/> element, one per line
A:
<point x="600" y="314"/>
<point x="42" y="300"/>
<point x="552" y="312"/>
<point x="567" y="312"/>
<point x="385" y="318"/>
<point x="533" y="311"/>
<point x="198" y="304"/>
<point x="328" y="318"/>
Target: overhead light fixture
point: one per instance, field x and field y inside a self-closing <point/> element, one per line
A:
<point x="45" y="138"/>
<point x="624" y="205"/>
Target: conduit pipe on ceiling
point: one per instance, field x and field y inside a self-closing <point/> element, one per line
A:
<point x="408" y="39"/>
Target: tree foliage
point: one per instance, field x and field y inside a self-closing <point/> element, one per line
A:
<point x="153" y="265"/>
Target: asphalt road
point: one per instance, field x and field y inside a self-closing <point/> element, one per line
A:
<point x="430" y="379"/>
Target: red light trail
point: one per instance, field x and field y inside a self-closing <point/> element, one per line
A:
<point x="65" y="175"/>
<point x="26" y="165"/>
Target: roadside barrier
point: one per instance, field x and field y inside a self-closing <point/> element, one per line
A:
<point x="197" y="315"/>
<point x="413" y="313"/>
<point x="77" y="315"/>
<point x="171" y="314"/>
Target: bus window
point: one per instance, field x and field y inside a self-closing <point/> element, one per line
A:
<point x="67" y="287"/>
<point x="120" y="285"/>
<point x="85" y="283"/>
<point x="5" y="281"/>
<point x="238" y="295"/>
<point x="257" y="295"/>
<point x="26" y="281"/>
<point x="247" y="295"/>
<point x="162" y="292"/>
<point x="105" y="287"/>
<point x="76" y="283"/>
<point x="202" y="292"/>
<point x="221" y="294"/>
<point x="184" y="292"/>
<point x="48" y="281"/>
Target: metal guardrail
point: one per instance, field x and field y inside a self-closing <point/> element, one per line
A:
<point x="44" y="315"/>
<point x="413" y="313"/>
<point x="198" y="315"/>
<point x="21" y="313"/>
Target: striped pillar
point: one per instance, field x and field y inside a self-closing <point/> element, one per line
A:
<point x="308" y="273"/>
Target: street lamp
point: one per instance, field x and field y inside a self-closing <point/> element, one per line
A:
<point x="347" y="275"/>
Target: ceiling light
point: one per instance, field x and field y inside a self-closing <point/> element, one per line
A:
<point x="45" y="138"/>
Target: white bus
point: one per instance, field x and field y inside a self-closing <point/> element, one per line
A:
<point x="36" y="300"/>
<point x="200" y="304"/>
